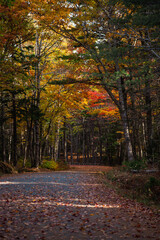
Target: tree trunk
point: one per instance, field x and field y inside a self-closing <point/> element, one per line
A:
<point x="56" y="147"/>
<point x="83" y="141"/>
<point x="100" y="143"/>
<point x="2" y="130"/>
<point x="14" y="139"/>
<point x="77" y="146"/>
<point x="149" y="117"/>
<point x="123" y="113"/>
<point x="10" y="147"/>
<point x="65" y="141"/>
<point x="71" y="137"/>
<point x="25" y="154"/>
<point x="37" y="101"/>
<point x="37" y="145"/>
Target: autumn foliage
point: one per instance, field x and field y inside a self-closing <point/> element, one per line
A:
<point x="79" y="82"/>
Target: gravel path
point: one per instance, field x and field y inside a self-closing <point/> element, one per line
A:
<point x="70" y="205"/>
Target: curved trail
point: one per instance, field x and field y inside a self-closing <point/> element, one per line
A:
<point x="70" y="205"/>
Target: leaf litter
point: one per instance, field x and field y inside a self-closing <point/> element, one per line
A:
<point x="78" y="206"/>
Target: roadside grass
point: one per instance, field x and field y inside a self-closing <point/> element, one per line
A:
<point x="141" y="186"/>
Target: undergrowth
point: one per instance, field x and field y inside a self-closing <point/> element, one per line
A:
<point x="45" y="165"/>
<point x="135" y="165"/>
<point x="140" y="186"/>
<point x="54" y="166"/>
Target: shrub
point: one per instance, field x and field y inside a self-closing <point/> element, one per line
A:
<point x="20" y="163"/>
<point x="52" y="165"/>
<point x="152" y="187"/>
<point x="136" y="165"/>
<point x="62" y="165"/>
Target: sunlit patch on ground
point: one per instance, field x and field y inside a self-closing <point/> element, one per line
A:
<point x="54" y="183"/>
<point x="78" y="205"/>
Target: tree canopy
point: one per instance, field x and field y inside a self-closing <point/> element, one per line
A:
<point x="79" y="81"/>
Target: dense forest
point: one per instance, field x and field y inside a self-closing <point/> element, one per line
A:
<point x="80" y="81"/>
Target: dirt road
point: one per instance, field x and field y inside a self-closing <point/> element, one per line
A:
<point x="70" y="205"/>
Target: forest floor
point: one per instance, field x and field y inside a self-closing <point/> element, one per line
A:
<point x="71" y="205"/>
